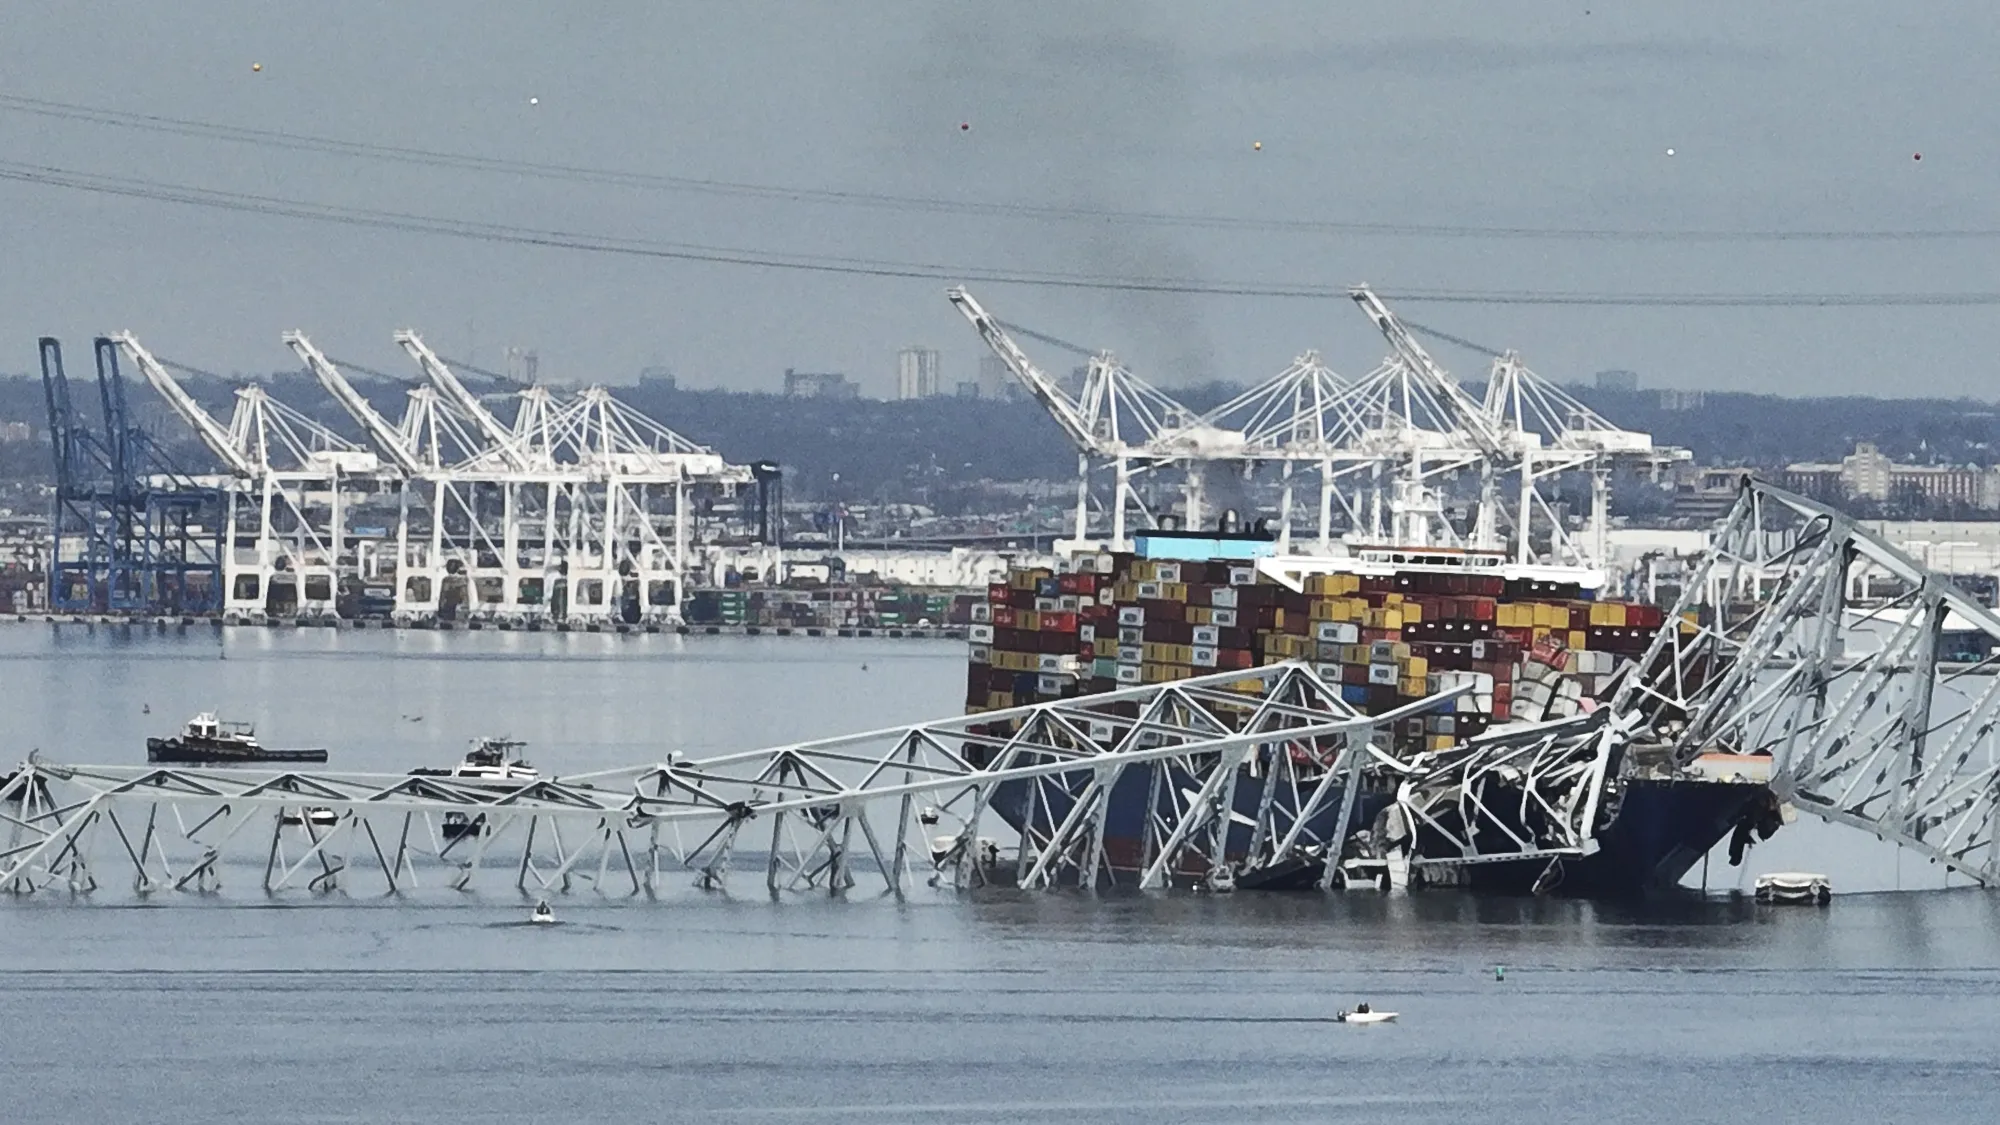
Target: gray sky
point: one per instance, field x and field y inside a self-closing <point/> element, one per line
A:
<point x="1485" y="114"/>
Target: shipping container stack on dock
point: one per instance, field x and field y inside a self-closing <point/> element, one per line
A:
<point x="1528" y="650"/>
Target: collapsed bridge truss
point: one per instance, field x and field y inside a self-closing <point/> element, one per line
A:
<point x="899" y="803"/>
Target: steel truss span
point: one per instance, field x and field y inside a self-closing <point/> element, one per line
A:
<point x="901" y="805"/>
<point x="1878" y="715"/>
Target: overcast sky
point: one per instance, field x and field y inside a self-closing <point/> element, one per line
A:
<point x="1488" y="114"/>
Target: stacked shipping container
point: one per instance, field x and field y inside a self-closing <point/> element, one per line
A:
<point x="1527" y="650"/>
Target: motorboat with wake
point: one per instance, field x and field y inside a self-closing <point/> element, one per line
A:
<point x="543" y="915"/>
<point x="207" y="740"/>
<point x="491" y="761"/>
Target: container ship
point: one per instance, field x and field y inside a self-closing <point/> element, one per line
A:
<point x="1389" y="626"/>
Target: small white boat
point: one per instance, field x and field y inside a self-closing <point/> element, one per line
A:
<point x="490" y="762"/>
<point x="1364" y="1015"/>
<point x="1794" y="886"/>
<point x="543" y="916"/>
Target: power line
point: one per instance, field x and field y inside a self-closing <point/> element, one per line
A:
<point x="403" y="222"/>
<point x="303" y="142"/>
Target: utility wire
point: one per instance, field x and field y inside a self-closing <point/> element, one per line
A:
<point x="403" y="222"/>
<point x="304" y="142"/>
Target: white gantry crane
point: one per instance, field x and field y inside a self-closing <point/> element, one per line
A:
<point x="1386" y="448"/>
<point x="578" y="512"/>
<point x="288" y="479"/>
<point x="1119" y="422"/>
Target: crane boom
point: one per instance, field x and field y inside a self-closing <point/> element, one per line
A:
<point x="213" y="434"/>
<point x="1467" y="413"/>
<point x="463" y="400"/>
<point x="1059" y="405"/>
<point x="380" y="431"/>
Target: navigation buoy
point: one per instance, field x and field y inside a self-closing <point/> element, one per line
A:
<point x="1916" y="156"/>
<point x="1670" y="152"/>
<point x="534" y="101"/>
<point x="256" y="67"/>
<point x="1257" y="145"/>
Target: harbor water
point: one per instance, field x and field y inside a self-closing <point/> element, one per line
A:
<point x="993" y="1006"/>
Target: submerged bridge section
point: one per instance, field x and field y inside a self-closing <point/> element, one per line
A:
<point x="902" y="804"/>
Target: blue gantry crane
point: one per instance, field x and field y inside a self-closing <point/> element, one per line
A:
<point x="132" y="532"/>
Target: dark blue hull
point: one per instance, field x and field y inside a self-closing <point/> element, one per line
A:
<point x="1660" y="831"/>
<point x="1124" y="827"/>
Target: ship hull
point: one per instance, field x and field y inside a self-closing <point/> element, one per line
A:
<point x="1662" y="829"/>
<point x="1125" y="852"/>
<point x="193" y="752"/>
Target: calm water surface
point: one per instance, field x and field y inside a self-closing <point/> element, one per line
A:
<point x="931" y="1008"/>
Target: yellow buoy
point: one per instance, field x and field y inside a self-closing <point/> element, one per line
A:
<point x="256" y="66"/>
<point x="1258" y="145"/>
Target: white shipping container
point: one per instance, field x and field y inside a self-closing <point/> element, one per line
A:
<point x="1206" y="635"/>
<point x="1225" y="618"/>
<point x="1131" y="674"/>
<point x="1131" y="615"/>
<point x="1047" y="605"/>
<point x="1149" y="590"/>
<point x="979" y="654"/>
<point x="981" y="633"/>
<point x="1086" y="634"/>
<point x="1222" y="598"/>
<point x="1131" y="635"/>
<point x="1167" y="571"/>
<point x="982" y="612"/>
<point x="1242" y="576"/>
<point x="1204" y="657"/>
<point x="1131" y="654"/>
<point x="1382" y="674"/>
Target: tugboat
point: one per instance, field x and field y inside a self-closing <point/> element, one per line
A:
<point x="491" y="761"/>
<point x="206" y="740"/>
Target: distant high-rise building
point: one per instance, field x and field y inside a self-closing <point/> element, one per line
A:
<point x="917" y="373"/>
<point x="995" y="381"/>
<point x="1625" y="381"/>
<point x="1682" y="400"/>
<point x="657" y="378"/>
<point x="819" y="384"/>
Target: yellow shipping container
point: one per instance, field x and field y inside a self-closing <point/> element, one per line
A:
<point x="1173" y="591"/>
<point x="1412" y="613"/>
<point x="1417" y="667"/>
<point x="1028" y="619"/>
<point x="1106" y="647"/>
<point x="1441" y="742"/>
<point x="1320" y="609"/>
<point x="1392" y="599"/>
<point x="1413" y="686"/>
<point x="1000" y="700"/>
<point x="1577" y="637"/>
<point x="1142" y="570"/>
<point x="1249" y="687"/>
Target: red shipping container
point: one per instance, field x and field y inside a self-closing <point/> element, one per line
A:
<point x="997" y="593"/>
<point x="1003" y="617"/>
<point x="1059" y="623"/>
